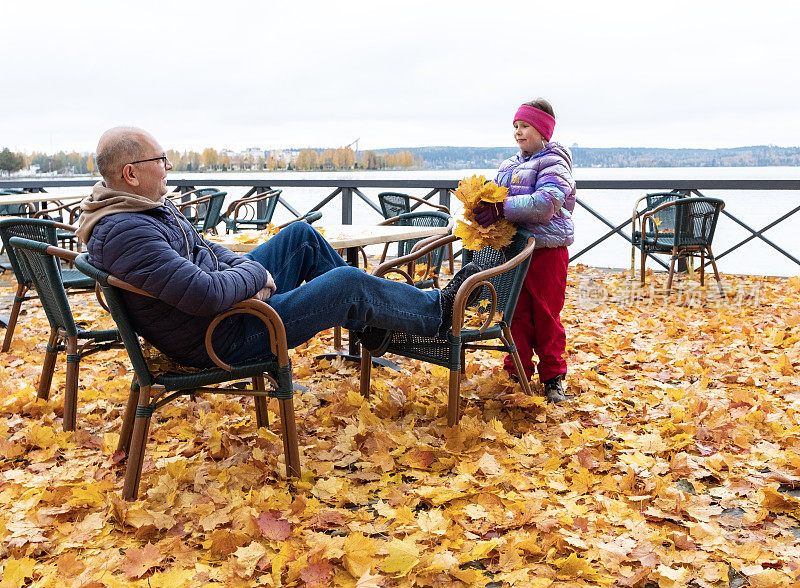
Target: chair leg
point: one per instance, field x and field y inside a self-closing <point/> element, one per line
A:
<point x="451" y="258"/>
<point x="644" y="260"/>
<point x="12" y="320"/>
<point x="71" y="387"/>
<point x="48" y="366"/>
<point x="337" y="337"/>
<point x="366" y="372"/>
<point x="716" y="272"/>
<point x="126" y="431"/>
<point x="141" y="428"/>
<point x="454" y="398"/>
<point x="291" y="448"/>
<point x="262" y="416"/>
<point x="508" y="339"/>
<point x="671" y="272"/>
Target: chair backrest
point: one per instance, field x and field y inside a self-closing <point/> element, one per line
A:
<point x="665" y="218"/>
<point x="423" y="219"/>
<point x="45" y="272"/>
<point x="196" y="213"/>
<point x="394" y="203"/>
<point x="116" y="306"/>
<point x="35" y="229"/>
<point x="16" y="209"/>
<point x="212" y="214"/>
<point x="508" y="284"/>
<point x="696" y="220"/>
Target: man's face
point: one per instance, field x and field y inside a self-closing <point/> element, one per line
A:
<point x="151" y="175"/>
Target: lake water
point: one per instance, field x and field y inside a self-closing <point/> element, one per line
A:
<point x="755" y="208"/>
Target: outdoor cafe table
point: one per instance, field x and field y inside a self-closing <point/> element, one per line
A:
<point x="349" y="237"/>
<point x="39" y="197"/>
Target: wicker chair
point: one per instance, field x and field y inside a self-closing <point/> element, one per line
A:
<point x="205" y="212"/>
<point x="243" y="213"/>
<point x="502" y="278"/>
<point x="666" y="220"/>
<point x="421" y="219"/>
<point x="41" y="262"/>
<point x="45" y="231"/>
<point x="695" y="220"/>
<point x="151" y="390"/>
<point x="396" y="203"/>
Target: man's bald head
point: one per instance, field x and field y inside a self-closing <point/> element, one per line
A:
<point x="119" y="146"/>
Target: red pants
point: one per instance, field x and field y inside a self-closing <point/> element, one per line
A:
<point x="536" y="326"/>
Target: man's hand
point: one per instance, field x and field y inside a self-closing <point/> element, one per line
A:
<point x="488" y="213"/>
<point x="267" y="290"/>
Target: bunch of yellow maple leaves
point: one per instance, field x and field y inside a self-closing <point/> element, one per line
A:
<point x="474" y="191"/>
<point x="677" y="465"/>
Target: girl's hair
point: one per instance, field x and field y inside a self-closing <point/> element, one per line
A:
<point x="542" y="105"/>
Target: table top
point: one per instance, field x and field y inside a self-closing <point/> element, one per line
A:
<point x="38" y="197"/>
<point x="339" y="236"/>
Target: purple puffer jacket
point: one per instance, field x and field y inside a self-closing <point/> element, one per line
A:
<point x="192" y="280"/>
<point x="541" y="194"/>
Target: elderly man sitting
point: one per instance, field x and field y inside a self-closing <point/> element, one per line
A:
<point x="134" y="233"/>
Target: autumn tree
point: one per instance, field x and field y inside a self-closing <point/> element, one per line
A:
<point x="209" y="158"/>
<point x="10" y="161"/>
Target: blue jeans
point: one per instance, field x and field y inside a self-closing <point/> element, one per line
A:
<point x="317" y="290"/>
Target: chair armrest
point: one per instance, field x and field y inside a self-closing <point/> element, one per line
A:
<point x="431" y="244"/>
<point x="45" y="212"/>
<point x="262" y="311"/>
<point x="201" y="200"/>
<point x="482" y="279"/>
<point x="233" y="207"/>
<point x="647" y="215"/>
<point x="441" y="207"/>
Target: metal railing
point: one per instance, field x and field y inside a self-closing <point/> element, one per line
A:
<point x="346" y="190"/>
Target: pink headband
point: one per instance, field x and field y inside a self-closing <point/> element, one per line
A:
<point x="538" y="119"/>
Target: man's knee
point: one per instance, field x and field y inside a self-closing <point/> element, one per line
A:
<point x="299" y="230"/>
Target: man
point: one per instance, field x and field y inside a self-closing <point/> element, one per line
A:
<point x="134" y="233"/>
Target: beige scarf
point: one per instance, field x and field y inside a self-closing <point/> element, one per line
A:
<point x="104" y="201"/>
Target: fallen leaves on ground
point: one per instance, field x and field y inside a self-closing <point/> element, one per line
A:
<point x="677" y="464"/>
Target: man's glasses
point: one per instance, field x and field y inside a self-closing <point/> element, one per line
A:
<point x="163" y="159"/>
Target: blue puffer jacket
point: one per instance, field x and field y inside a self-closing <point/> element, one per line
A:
<point x="158" y="251"/>
<point x="541" y="194"/>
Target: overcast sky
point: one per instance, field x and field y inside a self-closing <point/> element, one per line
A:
<point x="237" y="74"/>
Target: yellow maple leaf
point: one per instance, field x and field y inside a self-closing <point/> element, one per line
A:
<point x="16" y="571"/>
<point x="472" y="192"/>
<point x="359" y="554"/>
<point x="403" y="554"/>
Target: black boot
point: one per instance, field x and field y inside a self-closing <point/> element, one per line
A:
<point x="374" y="340"/>
<point x="449" y="295"/>
<point x="554" y="390"/>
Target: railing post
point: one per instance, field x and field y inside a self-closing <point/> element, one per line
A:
<point x="347" y="206"/>
<point x="444" y="197"/>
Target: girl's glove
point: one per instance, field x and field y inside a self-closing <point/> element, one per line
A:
<point x="488" y="213"/>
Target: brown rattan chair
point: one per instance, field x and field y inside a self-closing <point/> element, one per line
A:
<point x="152" y="389"/>
<point x="41" y="262"/>
<point x="501" y="279"/>
<point x="45" y="231"/>
<point x="244" y="213"/>
<point x="695" y="220"/>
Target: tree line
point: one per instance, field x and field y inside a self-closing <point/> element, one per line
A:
<point x="209" y="159"/>
<point x="344" y="158"/>
<point x="61" y="162"/>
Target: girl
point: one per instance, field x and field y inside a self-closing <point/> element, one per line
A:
<point x="541" y="197"/>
